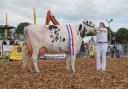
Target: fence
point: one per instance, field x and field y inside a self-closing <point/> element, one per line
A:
<point x="118" y="50"/>
<point x="15" y="53"/>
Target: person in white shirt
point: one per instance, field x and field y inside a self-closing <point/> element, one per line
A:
<point x="101" y="47"/>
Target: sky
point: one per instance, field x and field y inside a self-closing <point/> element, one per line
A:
<point x="66" y="11"/>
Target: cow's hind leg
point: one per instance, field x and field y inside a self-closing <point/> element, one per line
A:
<point x="26" y="59"/>
<point x="34" y="58"/>
<point x="67" y="62"/>
<point x="29" y="64"/>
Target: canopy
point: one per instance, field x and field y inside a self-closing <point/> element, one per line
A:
<point x="6" y="27"/>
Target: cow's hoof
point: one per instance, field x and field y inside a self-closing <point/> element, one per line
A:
<point x="37" y="71"/>
<point x="73" y="71"/>
<point x="30" y="70"/>
<point x="24" y="67"/>
<point x="68" y="68"/>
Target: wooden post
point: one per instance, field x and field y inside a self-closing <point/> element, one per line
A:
<point x="34" y="16"/>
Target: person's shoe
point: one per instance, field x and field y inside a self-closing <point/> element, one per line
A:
<point x="98" y="69"/>
<point x="103" y="70"/>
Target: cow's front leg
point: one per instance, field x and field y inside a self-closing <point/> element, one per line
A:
<point x="34" y="58"/>
<point x="73" y="63"/>
<point x="67" y="62"/>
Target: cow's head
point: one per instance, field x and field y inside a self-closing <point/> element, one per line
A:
<point x="85" y="27"/>
<point x="82" y="30"/>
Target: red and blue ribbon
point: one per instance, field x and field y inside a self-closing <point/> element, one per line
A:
<point x="71" y="39"/>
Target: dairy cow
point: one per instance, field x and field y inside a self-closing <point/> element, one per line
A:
<point x="53" y="39"/>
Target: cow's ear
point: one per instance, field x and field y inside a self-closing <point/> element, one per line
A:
<point x="80" y="27"/>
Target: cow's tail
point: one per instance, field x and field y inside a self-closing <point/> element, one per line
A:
<point x="24" y="49"/>
<point x="25" y="33"/>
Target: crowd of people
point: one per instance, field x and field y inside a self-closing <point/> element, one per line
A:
<point x="6" y="45"/>
<point x="87" y="50"/>
<point x="11" y="42"/>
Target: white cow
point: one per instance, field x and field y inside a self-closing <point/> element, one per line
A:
<point x="54" y="39"/>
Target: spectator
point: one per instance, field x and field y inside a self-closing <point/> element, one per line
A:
<point x="82" y="49"/>
<point x="92" y="52"/>
<point x="12" y="41"/>
<point x="4" y="42"/>
<point x="17" y="43"/>
<point x="87" y="50"/>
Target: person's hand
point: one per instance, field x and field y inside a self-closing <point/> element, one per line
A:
<point x="100" y="29"/>
<point x="96" y="28"/>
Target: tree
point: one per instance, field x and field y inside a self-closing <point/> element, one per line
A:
<point x="2" y="33"/>
<point x="20" y="27"/>
<point x="91" y="34"/>
<point x="121" y="35"/>
<point x="110" y="32"/>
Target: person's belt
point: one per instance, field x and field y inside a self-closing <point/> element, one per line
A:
<point x="102" y="42"/>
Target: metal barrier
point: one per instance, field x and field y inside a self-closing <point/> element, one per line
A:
<point x="11" y="52"/>
<point x="15" y="53"/>
<point x="118" y="50"/>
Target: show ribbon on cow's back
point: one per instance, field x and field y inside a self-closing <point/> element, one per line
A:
<point x="71" y="39"/>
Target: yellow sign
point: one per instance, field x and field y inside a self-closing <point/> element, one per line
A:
<point x="91" y="51"/>
<point x="16" y="53"/>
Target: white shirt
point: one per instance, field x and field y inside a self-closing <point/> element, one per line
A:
<point x="101" y="36"/>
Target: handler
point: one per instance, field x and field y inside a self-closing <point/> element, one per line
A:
<point x="101" y="47"/>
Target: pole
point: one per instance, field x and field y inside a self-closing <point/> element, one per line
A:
<point x="110" y="32"/>
<point x="109" y="21"/>
<point x="34" y="16"/>
<point x="6" y="18"/>
<point x="6" y="23"/>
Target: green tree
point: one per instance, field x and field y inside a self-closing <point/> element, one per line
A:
<point x="121" y="35"/>
<point x="20" y="27"/>
<point x="91" y="34"/>
<point x="110" y="33"/>
<point x="2" y="33"/>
